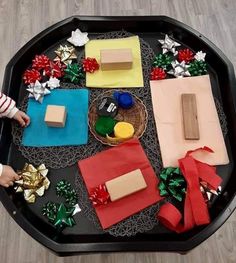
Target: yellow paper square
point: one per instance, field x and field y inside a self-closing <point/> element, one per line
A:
<point x="115" y="78"/>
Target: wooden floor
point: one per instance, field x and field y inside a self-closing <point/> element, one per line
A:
<point x="20" y="20"/>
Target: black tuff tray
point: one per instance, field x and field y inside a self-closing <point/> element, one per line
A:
<point x="84" y="237"/>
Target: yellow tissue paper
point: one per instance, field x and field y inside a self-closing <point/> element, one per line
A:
<point x="115" y="78"/>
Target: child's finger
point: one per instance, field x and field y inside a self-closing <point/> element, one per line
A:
<point x="11" y="183"/>
<point x="21" y="121"/>
<point x="16" y="177"/>
<point x="26" y="118"/>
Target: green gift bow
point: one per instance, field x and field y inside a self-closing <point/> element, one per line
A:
<point x="172" y="183"/>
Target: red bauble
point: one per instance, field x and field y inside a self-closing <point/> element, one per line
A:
<point x="90" y="65"/>
<point x="185" y="55"/>
<point x="99" y="195"/>
<point x="31" y="75"/>
<point x="40" y="62"/>
<point x="158" y="73"/>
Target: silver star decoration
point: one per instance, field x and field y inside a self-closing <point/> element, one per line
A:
<point x="200" y="56"/>
<point x="179" y="70"/>
<point x="78" y="38"/>
<point x="38" y="91"/>
<point x="169" y="45"/>
<point x="53" y="83"/>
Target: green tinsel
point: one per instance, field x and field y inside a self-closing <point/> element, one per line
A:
<point x="197" y="68"/>
<point x="74" y="73"/>
<point x="162" y="61"/>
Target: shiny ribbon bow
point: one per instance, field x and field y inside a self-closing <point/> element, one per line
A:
<point x="33" y="182"/>
<point x="64" y="188"/>
<point x="195" y="207"/>
<point x="65" y="54"/>
<point x="59" y="215"/>
<point x="172" y="183"/>
<point x="99" y="195"/>
<point x="90" y="65"/>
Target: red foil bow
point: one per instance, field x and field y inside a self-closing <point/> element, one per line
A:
<point x="90" y="65"/>
<point x="40" y="62"/>
<point x="157" y="74"/>
<point x="195" y="207"/>
<point x="31" y="75"/>
<point x="99" y="195"/>
<point x="55" y="69"/>
<point x="185" y="55"/>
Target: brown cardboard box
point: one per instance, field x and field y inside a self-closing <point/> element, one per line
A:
<point x="126" y="184"/>
<point x="55" y="116"/>
<point x="116" y="59"/>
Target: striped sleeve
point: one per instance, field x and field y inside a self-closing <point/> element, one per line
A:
<point x="7" y="106"/>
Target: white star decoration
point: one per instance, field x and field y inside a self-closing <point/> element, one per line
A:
<point x="38" y="91"/>
<point x="200" y="56"/>
<point x="78" y="38"/>
<point x="53" y="83"/>
<point x="179" y="70"/>
<point x="169" y="45"/>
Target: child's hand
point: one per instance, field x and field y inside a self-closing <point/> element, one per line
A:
<point x="22" y="118"/>
<point x="8" y="176"/>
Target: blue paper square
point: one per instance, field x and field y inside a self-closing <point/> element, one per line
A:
<point x="75" y="132"/>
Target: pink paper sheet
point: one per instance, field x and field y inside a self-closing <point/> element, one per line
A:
<point x="166" y="100"/>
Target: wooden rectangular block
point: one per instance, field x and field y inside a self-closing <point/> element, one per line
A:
<point x="116" y="59"/>
<point x="125" y="185"/>
<point x="55" y="116"/>
<point x="190" y="119"/>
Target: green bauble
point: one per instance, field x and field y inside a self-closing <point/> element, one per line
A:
<point x="197" y="68"/>
<point x="162" y="61"/>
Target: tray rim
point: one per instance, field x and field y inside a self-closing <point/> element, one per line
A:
<point x="72" y="248"/>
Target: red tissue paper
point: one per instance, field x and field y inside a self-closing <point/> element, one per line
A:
<point x="114" y="162"/>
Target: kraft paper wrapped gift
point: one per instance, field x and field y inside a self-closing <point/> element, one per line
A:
<point x="166" y="100"/>
<point x="112" y="163"/>
<point x="115" y="78"/>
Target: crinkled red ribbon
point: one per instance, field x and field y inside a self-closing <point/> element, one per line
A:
<point x="195" y="208"/>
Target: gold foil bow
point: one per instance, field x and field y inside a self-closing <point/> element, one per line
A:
<point x="65" y="54"/>
<point x="33" y="182"/>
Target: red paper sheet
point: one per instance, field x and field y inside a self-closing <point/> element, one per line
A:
<point x="115" y="162"/>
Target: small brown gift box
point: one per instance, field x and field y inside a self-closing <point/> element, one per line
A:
<point x="116" y="59"/>
<point x="126" y="184"/>
<point x="55" y="116"/>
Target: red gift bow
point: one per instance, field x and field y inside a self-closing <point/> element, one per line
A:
<point x="99" y="195"/>
<point x="195" y="208"/>
<point x="90" y="65"/>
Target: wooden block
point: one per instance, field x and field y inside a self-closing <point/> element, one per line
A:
<point x="55" y="116"/>
<point x="190" y="119"/>
<point x="125" y="185"/>
<point x="116" y="59"/>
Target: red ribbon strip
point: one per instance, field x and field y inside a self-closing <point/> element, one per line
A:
<point x="195" y="208"/>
